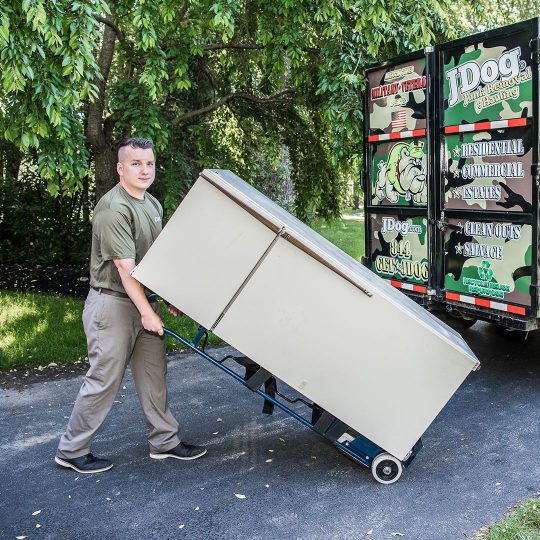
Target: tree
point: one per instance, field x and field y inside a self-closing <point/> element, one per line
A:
<point x="47" y="69"/>
<point x="212" y="82"/>
<point x="496" y="13"/>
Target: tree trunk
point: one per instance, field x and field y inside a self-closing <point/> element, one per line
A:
<point x="100" y="129"/>
<point x="105" y="168"/>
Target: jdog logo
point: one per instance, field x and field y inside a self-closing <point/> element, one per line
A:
<point x="501" y="78"/>
<point x="402" y="227"/>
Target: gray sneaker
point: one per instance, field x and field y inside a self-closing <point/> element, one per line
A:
<point x="88" y="464"/>
<point x="182" y="451"/>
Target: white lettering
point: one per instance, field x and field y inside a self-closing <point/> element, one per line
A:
<point x="486" y="251"/>
<point x="504" y="231"/>
<point x="402" y="227"/>
<point x="468" y="76"/>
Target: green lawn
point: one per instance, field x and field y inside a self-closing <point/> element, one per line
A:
<point x="522" y="524"/>
<point x="37" y="329"/>
<point x="346" y="233"/>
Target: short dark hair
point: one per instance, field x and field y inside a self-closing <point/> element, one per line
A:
<point x="136" y="142"/>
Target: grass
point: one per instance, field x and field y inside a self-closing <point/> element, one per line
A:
<point x="347" y="233"/>
<point x="37" y="329"/>
<point x="522" y="524"/>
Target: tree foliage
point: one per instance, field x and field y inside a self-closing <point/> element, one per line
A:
<point x="215" y="83"/>
<point x="47" y="68"/>
<point x="490" y="14"/>
<point x="168" y="69"/>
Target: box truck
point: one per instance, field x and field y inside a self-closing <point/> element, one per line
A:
<point x="451" y="176"/>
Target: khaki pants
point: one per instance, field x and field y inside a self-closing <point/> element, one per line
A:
<point x="115" y="338"/>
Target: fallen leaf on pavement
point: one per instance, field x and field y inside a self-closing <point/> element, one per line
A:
<point x="239" y="496"/>
<point x="36" y="512"/>
<point x="370" y="531"/>
<point x="268" y="461"/>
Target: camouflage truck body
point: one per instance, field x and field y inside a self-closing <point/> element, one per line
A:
<point x="451" y="181"/>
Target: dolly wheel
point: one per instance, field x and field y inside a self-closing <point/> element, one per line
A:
<point x="386" y="469"/>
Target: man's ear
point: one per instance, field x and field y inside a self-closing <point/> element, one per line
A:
<point x="119" y="168"/>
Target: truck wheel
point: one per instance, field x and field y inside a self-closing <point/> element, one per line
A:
<point x="386" y="469"/>
<point x="457" y="321"/>
<point x="513" y="335"/>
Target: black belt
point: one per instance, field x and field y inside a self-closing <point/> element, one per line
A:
<point x="110" y="292"/>
<point x="102" y="290"/>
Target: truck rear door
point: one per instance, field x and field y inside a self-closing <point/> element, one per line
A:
<point x="486" y="148"/>
<point x="397" y="173"/>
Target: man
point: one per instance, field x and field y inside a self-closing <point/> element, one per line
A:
<point x="120" y="324"/>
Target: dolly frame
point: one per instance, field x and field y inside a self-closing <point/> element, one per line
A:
<point x="346" y="440"/>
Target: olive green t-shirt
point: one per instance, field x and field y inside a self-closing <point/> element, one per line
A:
<point x="123" y="227"/>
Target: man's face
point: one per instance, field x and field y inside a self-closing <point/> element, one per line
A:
<point x="136" y="168"/>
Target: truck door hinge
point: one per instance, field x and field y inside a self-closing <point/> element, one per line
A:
<point x="441" y="223"/>
<point x="363" y="182"/>
<point x="535" y="47"/>
<point x="535" y="172"/>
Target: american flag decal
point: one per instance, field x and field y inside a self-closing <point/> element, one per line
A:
<point x="399" y="119"/>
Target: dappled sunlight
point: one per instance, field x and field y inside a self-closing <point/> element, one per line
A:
<point x="6" y="341"/>
<point x="38" y="329"/>
<point x="70" y="317"/>
<point x="12" y="312"/>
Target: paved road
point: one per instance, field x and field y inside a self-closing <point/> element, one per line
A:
<point x="480" y="457"/>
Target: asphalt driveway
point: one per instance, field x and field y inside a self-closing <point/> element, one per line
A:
<point x="269" y="477"/>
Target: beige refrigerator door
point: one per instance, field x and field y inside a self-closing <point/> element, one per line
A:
<point x="204" y="253"/>
<point x="369" y="364"/>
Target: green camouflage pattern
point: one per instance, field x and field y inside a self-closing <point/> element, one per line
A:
<point x="488" y="81"/>
<point x="399" y="173"/>
<point x="504" y="183"/>
<point x="399" y="248"/>
<point x="489" y="259"/>
<point x="397" y="97"/>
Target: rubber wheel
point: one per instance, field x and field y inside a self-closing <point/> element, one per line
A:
<point x="386" y="469"/>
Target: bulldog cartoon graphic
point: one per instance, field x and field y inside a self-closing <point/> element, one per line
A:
<point x="403" y="174"/>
